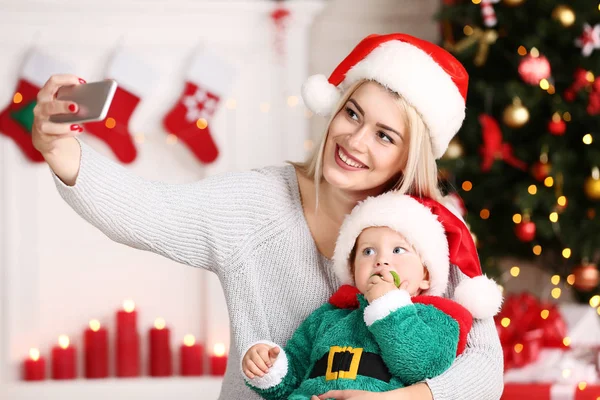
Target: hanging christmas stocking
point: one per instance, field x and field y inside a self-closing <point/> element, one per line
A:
<point x="135" y="80"/>
<point x="16" y="120"/>
<point x="207" y="81"/>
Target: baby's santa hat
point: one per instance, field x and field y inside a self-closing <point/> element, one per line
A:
<point x="427" y="76"/>
<point x="440" y="238"/>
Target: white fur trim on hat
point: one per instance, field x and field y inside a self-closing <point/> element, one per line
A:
<point x="406" y="216"/>
<point x="275" y="374"/>
<point x="319" y="95"/>
<point x="480" y="295"/>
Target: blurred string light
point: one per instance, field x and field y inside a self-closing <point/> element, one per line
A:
<point x="587" y="138"/>
<point x="571" y="279"/>
<point x="595" y="301"/>
<point x="467" y="186"/>
<point x="549" y="181"/>
<point x="556" y="292"/>
<point x="517" y="218"/>
<point x="544" y="84"/>
<point x="522" y="51"/>
<point x="468" y="30"/>
<point x="567" y="116"/>
<point x="553" y="216"/>
<point x="561" y="201"/>
<point x="484" y="214"/>
<point x="537" y="249"/>
<point x="535" y="53"/>
<point x="532" y="189"/>
<point x="555" y="279"/>
<point x="515" y="271"/>
<point x="566" y="253"/>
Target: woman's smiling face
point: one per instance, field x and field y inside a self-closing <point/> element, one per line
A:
<point x="367" y="141"/>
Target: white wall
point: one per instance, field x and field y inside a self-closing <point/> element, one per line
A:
<point x="56" y="271"/>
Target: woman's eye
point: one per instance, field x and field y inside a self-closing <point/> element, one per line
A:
<point x="384" y="136"/>
<point x="399" y="250"/>
<point x="351" y="113"/>
<point x="369" y="251"/>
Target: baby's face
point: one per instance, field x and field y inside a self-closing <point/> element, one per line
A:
<point x="380" y="250"/>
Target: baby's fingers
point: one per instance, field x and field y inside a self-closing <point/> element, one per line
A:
<point x="253" y="369"/>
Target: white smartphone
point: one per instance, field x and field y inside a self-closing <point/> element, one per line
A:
<point x="93" y="100"/>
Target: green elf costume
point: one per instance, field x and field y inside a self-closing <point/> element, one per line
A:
<point x="396" y="340"/>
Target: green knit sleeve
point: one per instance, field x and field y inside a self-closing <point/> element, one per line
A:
<point x="297" y="355"/>
<point x="417" y="341"/>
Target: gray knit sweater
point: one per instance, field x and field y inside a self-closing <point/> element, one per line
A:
<point x="249" y="229"/>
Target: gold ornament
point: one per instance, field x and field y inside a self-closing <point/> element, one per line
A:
<point x="482" y="38"/>
<point x="454" y="151"/>
<point x="564" y="14"/>
<point x="516" y="115"/>
<point x="513" y="3"/>
<point x="591" y="185"/>
<point x="586" y="277"/>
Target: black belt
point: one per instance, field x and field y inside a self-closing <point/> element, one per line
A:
<point x="347" y="362"/>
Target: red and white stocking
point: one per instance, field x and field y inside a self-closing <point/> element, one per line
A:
<point x="16" y="120"/>
<point x="135" y="80"/>
<point x="208" y="80"/>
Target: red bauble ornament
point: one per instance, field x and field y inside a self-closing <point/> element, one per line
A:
<point x="541" y="171"/>
<point x="533" y="69"/>
<point x="557" y="126"/>
<point x="586" y="277"/>
<point x="525" y="231"/>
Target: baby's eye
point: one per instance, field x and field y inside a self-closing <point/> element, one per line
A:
<point x="399" y="250"/>
<point x="369" y="251"/>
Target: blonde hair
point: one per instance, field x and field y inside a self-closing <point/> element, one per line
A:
<point x="420" y="174"/>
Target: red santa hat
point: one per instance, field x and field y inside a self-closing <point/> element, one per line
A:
<point x="427" y="76"/>
<point x="437" y="234"/>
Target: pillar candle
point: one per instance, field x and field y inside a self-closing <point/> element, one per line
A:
<point x="63" y="359"/>
<point x="34" y="366"/>
<point x="127" y="342"/>
<point x="161" y="363"/>
<point x="218" y="360"/>
<point x="190" y="356"/>
<point x="96" y="351"/>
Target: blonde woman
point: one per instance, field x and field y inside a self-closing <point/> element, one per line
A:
<point x="269" y="234"/>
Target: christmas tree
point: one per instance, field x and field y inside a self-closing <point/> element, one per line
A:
<point x="526" y="162"/>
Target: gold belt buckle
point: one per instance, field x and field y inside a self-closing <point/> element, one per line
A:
<point x="351" y="373"/>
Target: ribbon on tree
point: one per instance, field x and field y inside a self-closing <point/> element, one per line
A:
<point x="525" y="326"/>
<point x="493" y="148"/>
<point x="483" y="39"/>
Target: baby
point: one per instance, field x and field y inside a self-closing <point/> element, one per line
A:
<point x="387" y="326"/>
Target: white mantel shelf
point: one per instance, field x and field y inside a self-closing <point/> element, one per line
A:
<point x="189" y="388"/>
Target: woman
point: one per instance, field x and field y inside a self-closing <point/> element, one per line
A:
<point x="269" y="233"/>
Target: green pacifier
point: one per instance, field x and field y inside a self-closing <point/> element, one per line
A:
<point x="396" y="278"/>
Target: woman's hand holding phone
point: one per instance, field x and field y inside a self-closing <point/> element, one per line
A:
<point x="56" y="140"/>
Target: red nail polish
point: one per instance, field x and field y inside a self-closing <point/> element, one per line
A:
<point x="75" y="127"/>
<point x="72" y="108"/>
<point x="81" y="80"/>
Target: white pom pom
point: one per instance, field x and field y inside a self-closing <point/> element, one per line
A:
<point x="480" y="295"/>
<point x="319" y="95"/>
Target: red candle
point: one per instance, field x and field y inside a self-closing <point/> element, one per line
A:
<point x="218" y="360"/>
<point x="190" y="355"/>
<point x="96" y="351"/>
<point x="63" y="359"/>
<point x="34" y="367"/>
<point x="161" y="363"/>
<point x="128" y="341"/>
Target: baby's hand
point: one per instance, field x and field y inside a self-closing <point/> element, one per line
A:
<point x="379" y="285"/>
<point x="258" y="359"/>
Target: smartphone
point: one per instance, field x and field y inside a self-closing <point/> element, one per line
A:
<point x="93" y="100"/>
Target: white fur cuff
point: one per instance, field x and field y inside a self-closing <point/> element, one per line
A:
<point x="385" y="305"/>
<point x="276" y="373"/>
